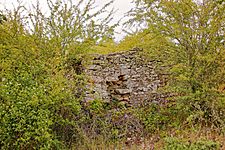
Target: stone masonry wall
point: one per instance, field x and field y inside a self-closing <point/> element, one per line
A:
<point x="125" y="76"/>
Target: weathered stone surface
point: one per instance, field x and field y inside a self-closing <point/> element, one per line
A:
<point x="95" y="67"/>
<point x="123" y="91"/>
<point x="125" y="76"/>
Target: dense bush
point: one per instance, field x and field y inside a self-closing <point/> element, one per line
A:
<point x="35" y="95"/>
<point x="192" y="54"/>
<point x="41" y="82"/>
<point x="175" y="144"/>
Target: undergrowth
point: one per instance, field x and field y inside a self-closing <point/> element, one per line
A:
<point x="43" y="85"/>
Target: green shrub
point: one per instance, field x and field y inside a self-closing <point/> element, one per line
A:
<point x="41" y="81"/>
<point x="157" y="117"/>
<point x="192" y="55"/>
<point x="175" y="144"/>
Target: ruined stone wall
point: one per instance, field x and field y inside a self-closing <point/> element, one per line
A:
<point x="126" y="76"/>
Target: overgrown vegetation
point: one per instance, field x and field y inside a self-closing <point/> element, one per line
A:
<point x="194" y="55"/>
<point x="43" y="85"/>
<point x="175" y="144"/>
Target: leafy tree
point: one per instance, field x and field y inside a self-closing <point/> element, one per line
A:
<point x="2" y="18"/>
<point x="71" y="24"/>
<point x="41" y="89"/>
<point x="194" y="53"/>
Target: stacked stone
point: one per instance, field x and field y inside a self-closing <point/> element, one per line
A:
<point x="125" y="76"/>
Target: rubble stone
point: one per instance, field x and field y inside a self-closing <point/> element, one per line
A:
<point x="126" y="76"/>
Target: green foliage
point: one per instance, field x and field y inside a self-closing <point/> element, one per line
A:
<point x="42" y="84"/>
<point x="175" y="144"/>
<point x="155" y="118"/>
<point x="140" y="39"/>
<point x="192" y="54"/>
<point x="96" y="106"/>
<point x="2" y="18"/>
<point x="33" y="91"/>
